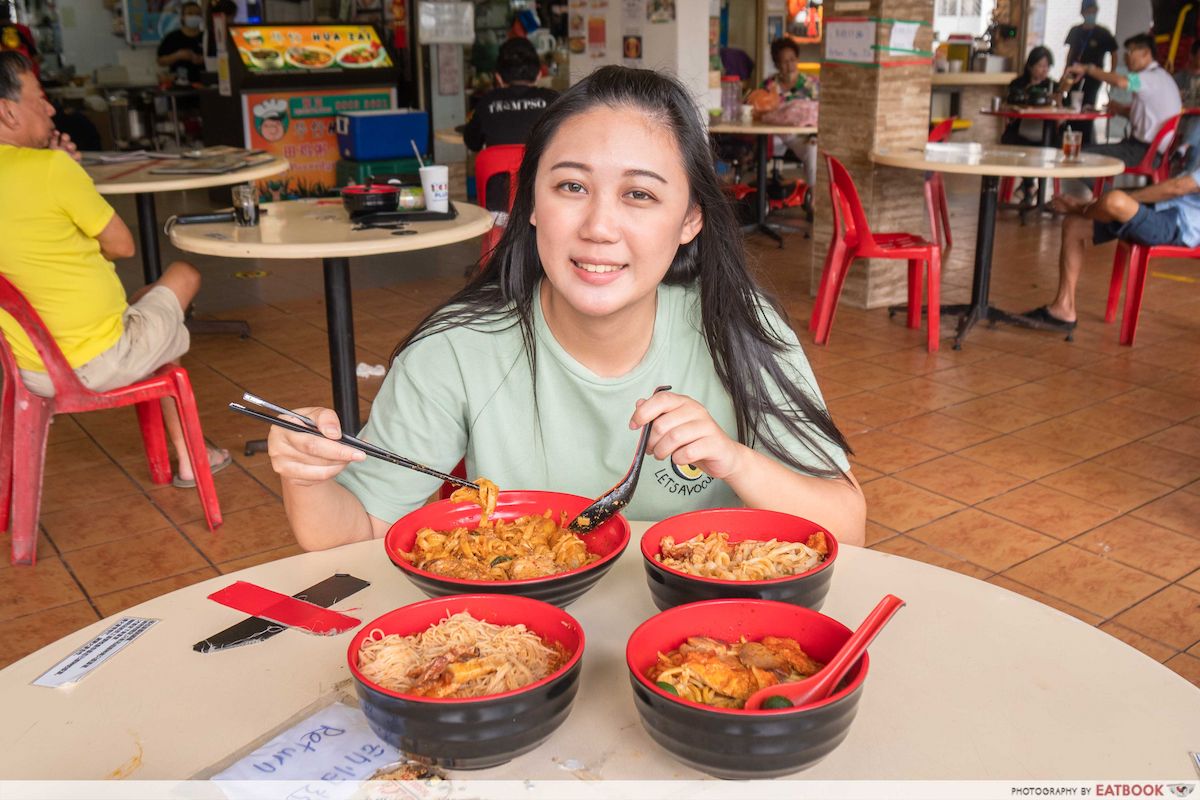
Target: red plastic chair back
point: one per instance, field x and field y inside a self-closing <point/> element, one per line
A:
<point x="941" y="131"/>
<point x="491" y="161"/>
<point x="68" y="390"/>
<point x="1162" y="142"/>
<point x="847" y="207"/>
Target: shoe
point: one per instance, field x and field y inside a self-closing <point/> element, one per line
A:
<point x="214" y="466"/>
<point x="1041" y="317"/>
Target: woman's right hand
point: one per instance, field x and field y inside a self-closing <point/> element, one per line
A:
<point x="305" y="460"/>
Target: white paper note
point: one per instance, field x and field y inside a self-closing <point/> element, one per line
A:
<point x="904" y="36"/>
<point x="333" y="750"/>
<point x="850" y="41"/>
<point x="74" y="667"/>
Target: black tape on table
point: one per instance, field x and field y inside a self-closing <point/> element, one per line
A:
<point x="256" y="629"/>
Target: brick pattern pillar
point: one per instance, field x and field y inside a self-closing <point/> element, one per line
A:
<point x="863" y="108"/>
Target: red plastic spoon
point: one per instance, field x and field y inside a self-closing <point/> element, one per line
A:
<point x="819" y="686"/>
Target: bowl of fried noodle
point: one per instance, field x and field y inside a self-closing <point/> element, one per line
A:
<point x="738" y="552"/>
<point x="467" y="682"/>
<point x="512" y="542"/>
<point x="692" y="667"/>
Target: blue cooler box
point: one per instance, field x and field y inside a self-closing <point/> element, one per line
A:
<point x="382" y="135"/>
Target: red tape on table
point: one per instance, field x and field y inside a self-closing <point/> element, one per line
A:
<point x="285" y="610"/>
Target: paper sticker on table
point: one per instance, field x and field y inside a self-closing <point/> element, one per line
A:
<point x="276" y="607"/>
<point x="95" y="652"/>
<point x="850" y="41"/>
<point x="904" y="35"/>
<point x="333" y="749"/>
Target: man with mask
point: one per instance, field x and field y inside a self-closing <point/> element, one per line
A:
<point x="1090" y="43"/>
<point x="182" y="50"/>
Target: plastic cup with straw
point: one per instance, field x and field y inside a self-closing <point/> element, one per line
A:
<point x="417" y="153"/>
<point x="435" y="183"/>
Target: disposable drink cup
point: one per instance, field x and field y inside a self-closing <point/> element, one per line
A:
<point x="747" y="114"/>
<point x="1076" y="100"/>
<point x="1072" y="142"/>
<point x="435" y="184"/>
<point x="245" y="205"/>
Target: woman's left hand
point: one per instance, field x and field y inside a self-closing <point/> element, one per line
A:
<point x="686" y="433"/>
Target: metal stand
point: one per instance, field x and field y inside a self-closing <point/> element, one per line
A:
<point x="148" y="237"/>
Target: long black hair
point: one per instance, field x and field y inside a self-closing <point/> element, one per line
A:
<point x="1036" y="55"/>
<point x="745" y="351"/>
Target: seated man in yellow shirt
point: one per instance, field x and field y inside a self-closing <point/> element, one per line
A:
<point x="58" y="237"/>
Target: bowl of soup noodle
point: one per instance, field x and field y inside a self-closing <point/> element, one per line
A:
<point x="520" y="546"/>
<point x="692" y="666"/>
<point x="738" y="552"/>
<point x="467" y="682"/>
<point x="265" y="58"/>
<point x="309" y="57"/>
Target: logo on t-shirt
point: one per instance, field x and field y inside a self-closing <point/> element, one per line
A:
<point x="683" y="479"/>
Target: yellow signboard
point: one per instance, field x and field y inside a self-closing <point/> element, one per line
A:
<point x="309" y="48"/>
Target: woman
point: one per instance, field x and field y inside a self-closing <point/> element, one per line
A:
<point x="1024" y="90"/>
<point x="621" y="268"/>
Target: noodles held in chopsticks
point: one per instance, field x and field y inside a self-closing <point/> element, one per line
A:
<point x="458" y="657"/>
<point x="533" y="546"/>
<point x="712" y="555"/>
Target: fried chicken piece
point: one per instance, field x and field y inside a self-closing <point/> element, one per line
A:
<point x="734" y="680"/>
<point x="817" y="542"/>
<point x="789" y="650"/>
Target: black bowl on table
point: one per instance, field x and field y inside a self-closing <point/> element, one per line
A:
<point x="475" y="732"/>
<point x="370" y="198"/>
<point x="671" y="587"/>
<point x="735" y="743"/>
<point x="607" y="540"/>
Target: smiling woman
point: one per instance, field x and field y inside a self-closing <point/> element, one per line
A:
<point x="621" y="269"/>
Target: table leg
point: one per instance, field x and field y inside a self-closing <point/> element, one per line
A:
<point x="148" y="236"/>
<point x="761" y="186"/>
<point x="340" y="321"/>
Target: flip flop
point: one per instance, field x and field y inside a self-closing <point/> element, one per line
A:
<point x="215" y="466"/>
<point x="1042" y="318"/>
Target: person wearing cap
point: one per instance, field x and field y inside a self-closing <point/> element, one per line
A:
<point x="1155" y="98"/>
<point x="1090" y="44"/>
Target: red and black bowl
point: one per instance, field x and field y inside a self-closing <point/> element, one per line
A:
<point x="734" y="743"/>
<point x="671" y="587"/>
<point x="607" y="541"/>
<point x="476" y="732"/>
<point x="370" y="198"/>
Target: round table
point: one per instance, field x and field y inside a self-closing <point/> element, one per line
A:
<point x="761" y="131"/>
<point x="1051" y="117"/>
<point x="322" y="229"/>
<point x="968" y="681"/>
<point x="992" y="162"/>
<point x="137" y="179"/>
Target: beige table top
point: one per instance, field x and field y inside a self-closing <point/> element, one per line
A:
<point x="968" y="681"/>
<point x="322" y="229"/>
<point x="448" y="135"/>
<point x="136" y="178"/>
<point x="760" y="128"/>
<point x="972" y="78"/>
<point x="998" y="160"/>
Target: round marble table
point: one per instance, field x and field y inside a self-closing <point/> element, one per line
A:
<point x="991" y="162"/>
<point x="762" y="131"/>
<point x="138" y="179"/>
<point x="322" y="229"/>
<point x="449" y="135"/>
<point x="968" y="682"/>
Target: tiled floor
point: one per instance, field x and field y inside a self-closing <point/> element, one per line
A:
<point x="1067" y="472"/>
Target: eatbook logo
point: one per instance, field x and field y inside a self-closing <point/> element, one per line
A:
<point x="683" y="479"/>
<point x="1181" y="789"/>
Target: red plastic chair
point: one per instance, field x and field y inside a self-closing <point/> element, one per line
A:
<point x="853" y="238"/>
<point x="935" y="191"/>
<point x="1163" y="140"/>
<point x="1137" y="256"/>
<point x="25" y="425"/>
<point x="491" y="161"/>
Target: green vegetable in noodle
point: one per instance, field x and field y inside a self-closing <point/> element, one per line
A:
<point x="777" y="701"/>
<point x="669" y="689"/>
<point x="500" y="560"/>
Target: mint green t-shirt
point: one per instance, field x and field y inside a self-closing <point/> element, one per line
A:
<point x="468" y="390"/>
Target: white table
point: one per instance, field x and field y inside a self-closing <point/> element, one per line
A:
<point x="991" y="162"/>
<point x="762" y="131"/>
<point x="969" y="681"/>
<point x="322" y="229"/>
<point x="448" y="135"/>
<point x="137" y="179"/>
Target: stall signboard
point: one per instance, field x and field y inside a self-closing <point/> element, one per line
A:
<point x="274" y="49"/>
<point x="300" y="125"/>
